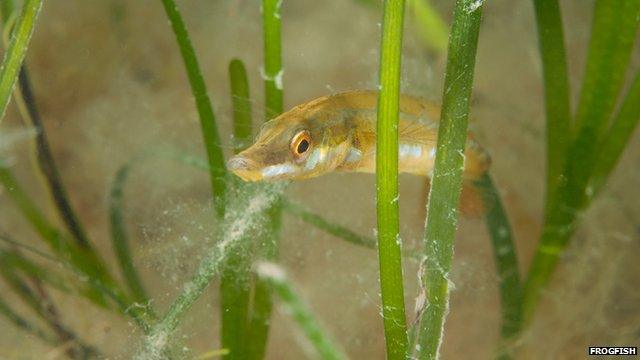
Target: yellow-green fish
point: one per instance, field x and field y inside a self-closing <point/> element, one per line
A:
<point x="338" y="133"/>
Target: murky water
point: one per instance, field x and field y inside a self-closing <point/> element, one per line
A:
<point x="110" y="84"/>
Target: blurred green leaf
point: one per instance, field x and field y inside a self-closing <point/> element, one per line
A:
<point x="213" y="144"/>
<point x="235" y="278"/>
<point x="612" y="37"/>
<point x="16" y="50"/>
<point x="120" y="238"/>
<point x="299" y="311"/>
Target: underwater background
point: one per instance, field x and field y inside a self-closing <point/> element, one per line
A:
<point x="110" y="84"/>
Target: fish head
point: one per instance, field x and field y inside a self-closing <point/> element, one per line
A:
<point x="291" y="148"/>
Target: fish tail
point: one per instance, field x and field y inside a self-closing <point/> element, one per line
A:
<point x="472" y="204"/>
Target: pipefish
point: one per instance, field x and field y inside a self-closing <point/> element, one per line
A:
<point x="338" y="133"/>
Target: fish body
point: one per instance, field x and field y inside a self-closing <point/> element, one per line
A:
<point x="338" y="133"/>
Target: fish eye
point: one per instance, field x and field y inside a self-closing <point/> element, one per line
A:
<point x="300" y="144"/>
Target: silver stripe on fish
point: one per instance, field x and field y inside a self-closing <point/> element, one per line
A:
<point x="410" y="150"/>
<point x="277" y="170"/>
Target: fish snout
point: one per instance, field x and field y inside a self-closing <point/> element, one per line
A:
<point x="245" y="168"/>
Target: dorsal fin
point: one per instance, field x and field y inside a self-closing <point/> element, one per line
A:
<point x="414" y="132"/>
